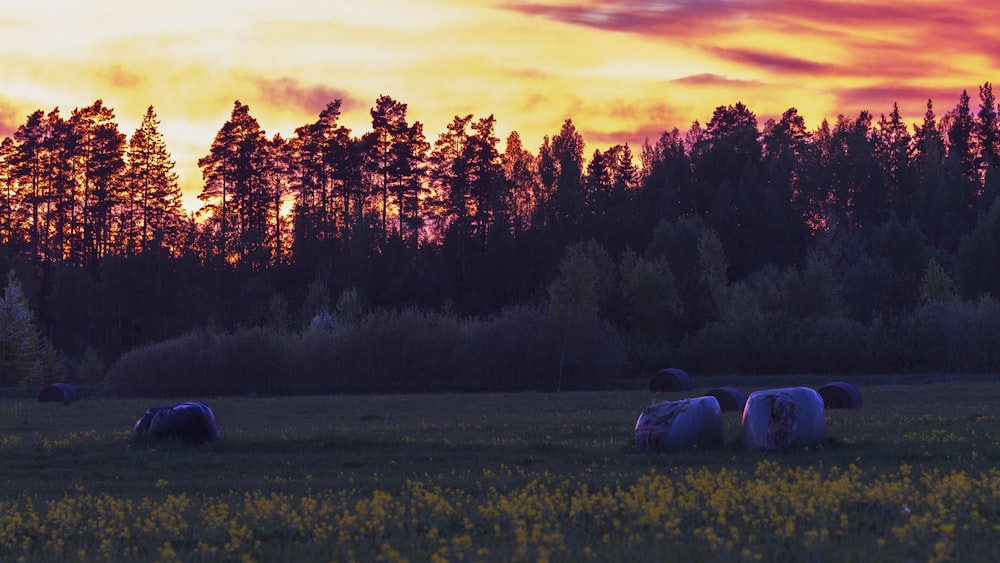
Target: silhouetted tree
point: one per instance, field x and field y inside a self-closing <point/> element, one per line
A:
<point x="938" y="210"/>
<point x="102" y="157"/>
<point x="520" y="172"/>
<point x="962" y="183"/>
<point x="12" y="217"/>
<point x="235" y="196"/>
<point x="152" y="212"/>
<point x="28" y="169"/>
<point x="857" y="194"/>
<point x="788" y="186"/>
<point x="325" y="175"/>
<point x="892" y="146"/>
<point x="987" y="142"/>
<point x="960" y="131"/>
<point x="560" y="163"/>
<point x="726" y="162"/>
<point x="277" y="191"/>
<point x="392" y="155"/>
<point x="666" y="179"/>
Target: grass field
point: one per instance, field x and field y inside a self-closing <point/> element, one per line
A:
<point x="910" y="476"/>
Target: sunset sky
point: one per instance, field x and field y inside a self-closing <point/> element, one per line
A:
<point x="622" y="70"/>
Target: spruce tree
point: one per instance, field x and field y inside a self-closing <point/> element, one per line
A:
<point x="21" y="346"/>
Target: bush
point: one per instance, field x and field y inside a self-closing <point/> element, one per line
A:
<point x="511" y="351"/>
<point x="953" y="337"/>
<point x="519" y="349"/>
<point x="777" y="342"/>
<point x="399" y="351"/>
<point x="408" y="350"/>
<point x="204" y="362"/>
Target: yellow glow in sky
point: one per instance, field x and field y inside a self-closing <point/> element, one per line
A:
<point x="623" y="70"/>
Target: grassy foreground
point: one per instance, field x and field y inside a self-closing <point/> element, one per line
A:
<point x="912" y="476"/>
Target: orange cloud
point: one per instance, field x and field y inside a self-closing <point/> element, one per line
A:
<point x="10" y="119"/>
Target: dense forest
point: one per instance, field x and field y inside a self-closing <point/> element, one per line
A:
<point x="733" y="246"/>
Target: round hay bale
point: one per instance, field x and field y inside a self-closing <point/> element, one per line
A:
<point x="840" y="395"/>
<point x="730" y="399"/>
<point x="783" y="419"/>
<point x="678" y="425"/>
<point x="670" y="379"/>
<point x="58" y="393"/>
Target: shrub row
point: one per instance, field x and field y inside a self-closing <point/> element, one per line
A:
<point x="952" y="337"/>
<point x="521" y="349"/>
<point x="398" y="351"/>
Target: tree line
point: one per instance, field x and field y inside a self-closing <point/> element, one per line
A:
<point x="92" y="222"/>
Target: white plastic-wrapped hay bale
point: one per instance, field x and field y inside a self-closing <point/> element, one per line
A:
<point x="678" y="425"/>
<point x="782" y="419"/>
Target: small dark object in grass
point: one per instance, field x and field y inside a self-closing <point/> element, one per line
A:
<point x="192" y="422"/>
<point x="670" y="379"/>
<point x="840" y="395"/>
<point x="58" y="393"/>
<point x="730" y="399"/>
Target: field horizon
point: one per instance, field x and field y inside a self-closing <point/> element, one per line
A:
<point x="502" y="475"/>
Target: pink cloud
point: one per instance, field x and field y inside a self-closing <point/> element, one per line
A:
<point x="710" y="79"/>
<point x="635" y="16"/>
<point x="912" y="100"/>
<point x="311" y="99"/>
<point x="775" y="61"/>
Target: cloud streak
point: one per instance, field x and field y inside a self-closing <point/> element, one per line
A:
<point x="776" y="62"/>
<point x="305" y="99"/>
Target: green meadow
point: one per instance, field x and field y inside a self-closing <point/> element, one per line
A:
<point x="911" y="475"/>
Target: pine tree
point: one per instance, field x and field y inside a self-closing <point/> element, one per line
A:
<point x="567" y="149"/>
<point x="153" y="213"/>
<point x="522" y="181"/>
<point x="389" y="157"/>
<point x="987" y="136"/>
<point x="28" y="165"/>
<point x="235" y="195"/>
<point x="101" y="154"/>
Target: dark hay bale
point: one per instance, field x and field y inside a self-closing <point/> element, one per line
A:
<point x="840" y="395"/>
<point x="58" y="393"/>
<point x="730" y="399"/>
<point x="192" y="422"/>
<point x="670" y="379"/>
